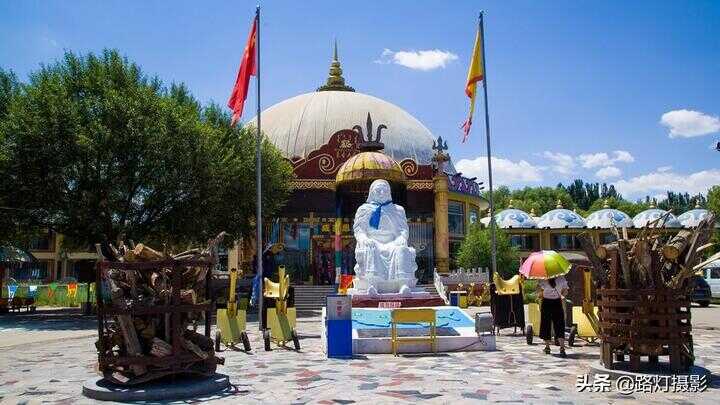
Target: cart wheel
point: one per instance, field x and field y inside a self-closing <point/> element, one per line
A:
<point x="266" y="339"/>
<point x="245" y="341"/>
<point x="572" y="336"/>
<point x="217" y="341"/>
<point x="295" y="339"/>
<point x="529" y="334"/>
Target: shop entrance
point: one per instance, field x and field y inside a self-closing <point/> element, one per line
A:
<point x="323" y="258"/>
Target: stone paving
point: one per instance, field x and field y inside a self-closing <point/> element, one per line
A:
<point x="53" y="371"/>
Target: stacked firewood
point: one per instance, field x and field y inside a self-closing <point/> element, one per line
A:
<point x="652" y="259"/>
<point x="139" y="278"/>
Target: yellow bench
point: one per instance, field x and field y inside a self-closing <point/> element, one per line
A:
<point x="413" y="315"/>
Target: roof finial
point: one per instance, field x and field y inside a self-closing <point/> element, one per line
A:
<point x="697" y="204"/>
<point x="532" y="212"/>
<point x="335" y="80"/>
<point x="510" y="204"/>
<point x="558" y="204"/>
<point x="367" y="142"/>
<point x="606" y="204"/>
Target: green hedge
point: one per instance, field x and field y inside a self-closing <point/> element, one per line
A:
<point x="58" y="299"/>
<point x="530" y="291"/>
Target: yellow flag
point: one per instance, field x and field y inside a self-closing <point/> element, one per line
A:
<point x="475" y="74"/>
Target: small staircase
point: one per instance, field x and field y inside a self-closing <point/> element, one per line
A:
<point x="312" y="297"/>
<point x="430" y="288"/>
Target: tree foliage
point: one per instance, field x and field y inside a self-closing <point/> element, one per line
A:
<point x="475" y="251"/>
<point x="587" y="198"/>
<point x="585" y="194"/>
<point x="95" y="148"/>
<point x="681" y="202"/>
<point x="713" y="200"/>
<point x="541" y="199"/>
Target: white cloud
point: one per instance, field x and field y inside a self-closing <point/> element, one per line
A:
<point x="419" y="60"/>
<point x="623" y="156"/>
<point x="505" y="171"/>
<point x="608" y="172"/>
<point x="590" y="160"/>
<point x="602" y="159"/>
<point x="563" y="164"/>
<point x="662" y="169"/>
<point x="660" y="181"/>
<point x="689" y="123"/>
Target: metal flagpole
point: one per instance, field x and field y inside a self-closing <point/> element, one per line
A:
<point x="493" y="241"/>
<point x="258" y="175"/>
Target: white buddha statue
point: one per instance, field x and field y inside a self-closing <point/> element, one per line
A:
<point x="385" y="262"/>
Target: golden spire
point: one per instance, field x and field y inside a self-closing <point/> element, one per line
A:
<point x="532" y="212"/>
<point x="559" y="204"/>
<point x="510" y="204"/>
<point x="335" y="80"/>
<point x="697" y="204"/>
<point x="606" y="204"/>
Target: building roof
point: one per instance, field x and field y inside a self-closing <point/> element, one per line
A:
<point x="301" y="124"/>
<point x="642" y="219"/>
<point x="607" y="218"/>
<point x="514" y="218"/>
<point x="561" y="218"/>
<point x="693" y="217"/>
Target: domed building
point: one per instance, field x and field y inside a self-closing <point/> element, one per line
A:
<point x="607" y="218"/>
<point x="338" y="141"/>
<point x="513" y="218"/>
<point x="521" y="228"/>
<point x="651" y="217"/>
<point x="561" y="223"/>
<point x="561" y="218"/>
<point x="692" y="218"/>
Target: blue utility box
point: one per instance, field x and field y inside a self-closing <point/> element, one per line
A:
<point x="338" y="325"/>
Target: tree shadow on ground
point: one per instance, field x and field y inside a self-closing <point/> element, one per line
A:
<point x="49" y="319"/>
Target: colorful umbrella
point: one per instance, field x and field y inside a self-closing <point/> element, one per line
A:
<point x="544" y="265"/>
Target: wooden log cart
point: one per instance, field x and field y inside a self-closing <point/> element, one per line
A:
<point x="149" y="305"/>
<point x="643" y="294"/>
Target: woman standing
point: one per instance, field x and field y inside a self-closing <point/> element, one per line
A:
<point x="552" y="291"/>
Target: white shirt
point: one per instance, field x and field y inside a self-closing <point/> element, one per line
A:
<point x="550" y="292"/>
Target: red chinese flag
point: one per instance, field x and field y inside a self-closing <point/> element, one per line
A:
<point x="248" y="67"/>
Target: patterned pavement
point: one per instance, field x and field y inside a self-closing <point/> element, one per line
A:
<point x="53" y="371"/>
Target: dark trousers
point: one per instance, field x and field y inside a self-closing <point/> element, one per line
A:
<point x="552" y="316"/>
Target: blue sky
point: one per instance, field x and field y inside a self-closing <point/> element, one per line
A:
<point x="568" y="81"/>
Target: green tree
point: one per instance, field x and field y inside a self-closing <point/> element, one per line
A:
<point x="12" y="228"/>
<point x="97" y="148"/>
<point x="713" y="205"/>
<point x="541" y="199"/>
<point x="713" y="200"/>
<point x="585" y="194"/>
<point x="679" y="203"/>
<point x="475" y="251"/>
<point x="501" y="197"/>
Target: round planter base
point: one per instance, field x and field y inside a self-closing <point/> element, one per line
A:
<point x="167" y="389"/>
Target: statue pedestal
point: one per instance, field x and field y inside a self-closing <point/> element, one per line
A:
<point x="416" y="299"/>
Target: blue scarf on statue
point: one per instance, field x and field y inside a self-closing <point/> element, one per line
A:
<point x="375" y="217"/>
